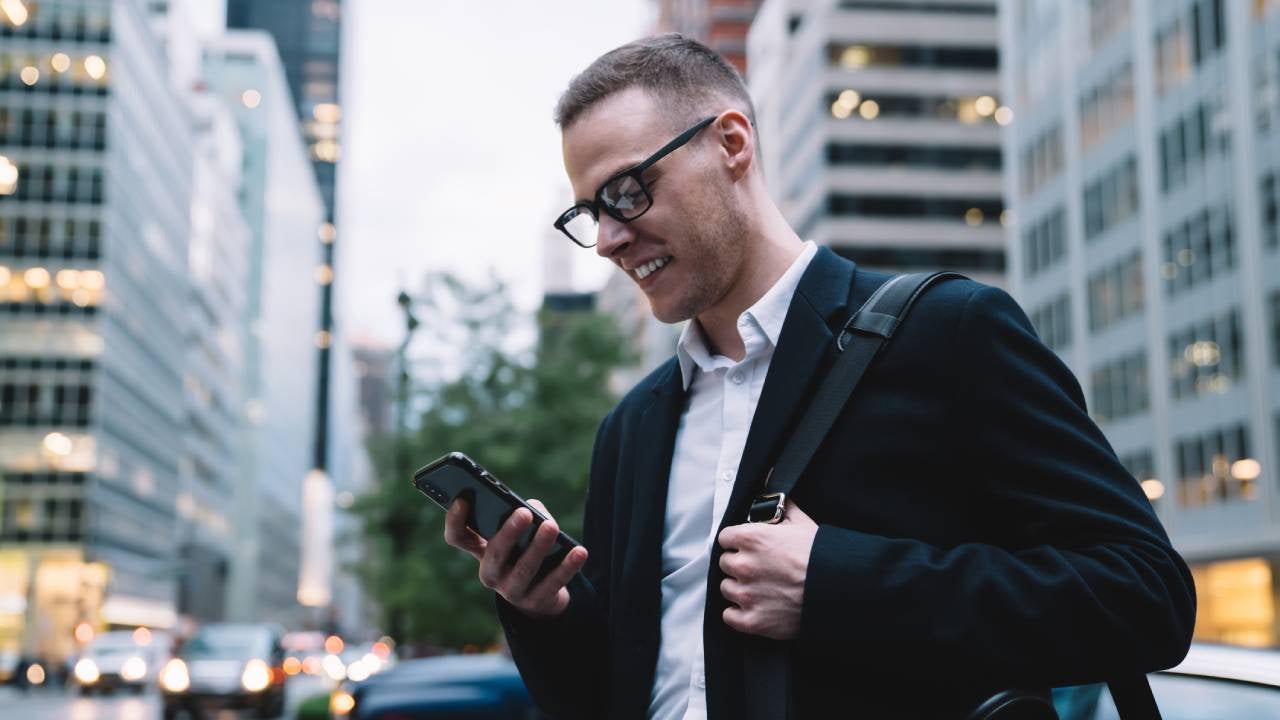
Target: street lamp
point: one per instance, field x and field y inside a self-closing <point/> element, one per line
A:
<point x="399" y="519"/>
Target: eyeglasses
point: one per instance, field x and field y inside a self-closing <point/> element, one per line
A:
<point x="623" y="197"/>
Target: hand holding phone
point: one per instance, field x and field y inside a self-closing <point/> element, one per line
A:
<point x="523" y="555"/>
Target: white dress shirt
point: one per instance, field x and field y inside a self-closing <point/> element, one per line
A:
<point x="709" y="441"/>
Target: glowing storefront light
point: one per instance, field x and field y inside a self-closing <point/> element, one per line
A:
<point x="60" y="62"/>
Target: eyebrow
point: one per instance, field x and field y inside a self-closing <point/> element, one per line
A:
<point x="621" y="168"/>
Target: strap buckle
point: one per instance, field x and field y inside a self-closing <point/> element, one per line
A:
<point x="767" y="508"/>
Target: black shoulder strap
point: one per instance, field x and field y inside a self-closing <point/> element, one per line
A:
<point x="873" y="324"/>
<point x="767" y="662"/>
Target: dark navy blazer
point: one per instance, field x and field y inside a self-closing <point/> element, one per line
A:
<point x="976" y="529"/>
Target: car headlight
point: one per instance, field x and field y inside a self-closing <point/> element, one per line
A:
<point x="174" y="677"/>
<point x="334" y="668"/>
<point x="134" y="669"/>
<point x="341" y="703"/>
<point x="256" y="676"/>
<point x="87" y="671"/>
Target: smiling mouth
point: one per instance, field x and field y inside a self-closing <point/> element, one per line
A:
<point x="651" y="267"/>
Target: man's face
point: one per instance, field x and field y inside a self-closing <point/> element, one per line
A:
<point x="693" y="227"/>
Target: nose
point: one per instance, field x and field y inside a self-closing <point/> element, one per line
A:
<point x="612" y="236"/>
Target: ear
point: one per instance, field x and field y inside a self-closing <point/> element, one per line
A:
<point x="737" y="138"/>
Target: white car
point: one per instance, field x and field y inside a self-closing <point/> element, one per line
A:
<point x="121" y="659"/>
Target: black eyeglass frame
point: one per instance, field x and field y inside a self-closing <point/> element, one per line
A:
<point x="634" y="172"/>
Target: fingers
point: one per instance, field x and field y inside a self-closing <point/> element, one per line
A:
<point x="497" y="554"/>
<point x="518" y="580"/>
<point x="537" y="504"/>
<point x="548" y="592"/>
<point x="456" y="532"/>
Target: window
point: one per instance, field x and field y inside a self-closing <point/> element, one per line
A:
<point x="1270" y="202"/>
<point x="854" y="56"/>
<point x="915" y="156"/>
<point x="1111" y="198"/>
<point x="1045" y="242"/>
<point x="1207" y="357"/>
<point x="1216" y="467"/>
<point x="1105" y="18"/>
<point x="1106" y="107"/>
<point x="1120" y="388"/>
<point x="1194" y="37"/>
<point x="1198" y="249"/>
<point x="1052" y="322"/>
<point x="1042" y="159"/>
<point x="916" y="208"/>
<point x="1115" y="292"/>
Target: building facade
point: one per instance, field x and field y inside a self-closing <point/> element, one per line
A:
<point x="1143" y="166"/>
<point x="308" y="35"/>
<point x="879" y="123"/>
<point x="94" y="225"/>
<point x="285" y="215"/>
<point x="721" y="24"/>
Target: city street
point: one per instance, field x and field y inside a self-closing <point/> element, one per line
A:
<point x="55" y="704"/>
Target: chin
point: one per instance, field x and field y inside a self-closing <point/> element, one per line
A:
<point x="667" y="313"/>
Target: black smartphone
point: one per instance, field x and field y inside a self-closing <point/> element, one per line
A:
<point x="491" y="502"/>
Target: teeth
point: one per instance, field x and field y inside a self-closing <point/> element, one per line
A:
<point x="650" y="267"/>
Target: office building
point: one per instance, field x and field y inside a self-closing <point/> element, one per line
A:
<point x="721" y="24"/>
<point x="879" y="123"/>
<point x="1142" y="171"/>
<point x="284" y="210"/>
<point x="95" y="204"/>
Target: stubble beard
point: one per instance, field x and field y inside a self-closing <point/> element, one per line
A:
<point x="712" y="257"/>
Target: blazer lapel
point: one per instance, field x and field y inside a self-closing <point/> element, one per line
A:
<point x="805" y="351"/>
<point x="654" y="447"/>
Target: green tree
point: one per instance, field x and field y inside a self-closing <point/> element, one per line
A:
<point x="529" y="417"/>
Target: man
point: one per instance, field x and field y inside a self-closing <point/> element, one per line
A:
<point x="965" y="527"/>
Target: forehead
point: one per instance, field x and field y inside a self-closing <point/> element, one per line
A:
<point x="617" y="132"/>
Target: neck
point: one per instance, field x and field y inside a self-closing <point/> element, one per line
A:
<point x="773" y="246"/>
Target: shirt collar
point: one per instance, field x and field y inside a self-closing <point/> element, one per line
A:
<point x="767" y="315"/>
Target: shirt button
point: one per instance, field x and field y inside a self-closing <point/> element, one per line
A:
<point x="726" y="476"/>
<point x="736" y="378"/>
<point x="701" y="682"/>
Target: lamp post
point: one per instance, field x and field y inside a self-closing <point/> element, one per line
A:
<point x="397" y="519"/>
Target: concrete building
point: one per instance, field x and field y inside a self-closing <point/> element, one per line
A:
<point x="214" y="370"/>
<point x="95" y="215"/>
<point x="285" y="214"/>
<point x="1143" y="166"/>
<point x="721" y="24"/>
<point x="879" y="124"/>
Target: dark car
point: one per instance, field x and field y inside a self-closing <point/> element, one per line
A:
<point x="1214" y="682"/>
<point x="227" y="666"/>
<point x="470" y="687"/>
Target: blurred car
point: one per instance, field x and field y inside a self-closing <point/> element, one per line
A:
<point x="121" y="659"/>
<point x="1214" y="682"/>
<point x="471" y="687"/>
<point x="304" y="652"/>
<point x="227" y="665"/>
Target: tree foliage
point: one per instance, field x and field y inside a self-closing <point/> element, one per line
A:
<point x="529" y="417"/>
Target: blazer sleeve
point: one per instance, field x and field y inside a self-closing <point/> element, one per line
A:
<point x="1080" y="583"/>
<point x="564" y="661"/>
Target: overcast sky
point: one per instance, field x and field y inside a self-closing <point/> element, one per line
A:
<point x="450" y="156"/>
